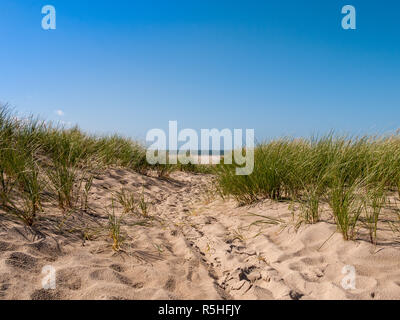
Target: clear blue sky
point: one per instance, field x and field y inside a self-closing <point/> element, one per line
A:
<point x="280" y="67"/>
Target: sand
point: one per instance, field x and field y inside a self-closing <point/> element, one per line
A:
<point x="199" y="246"/>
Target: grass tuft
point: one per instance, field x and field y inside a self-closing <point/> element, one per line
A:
<point x="352" y="174"/>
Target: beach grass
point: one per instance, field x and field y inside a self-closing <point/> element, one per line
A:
<point x="115" y="228"/>
<point x="351" y="174"/>
<point x="127" y="200"/>
<point x="41" y="160"/>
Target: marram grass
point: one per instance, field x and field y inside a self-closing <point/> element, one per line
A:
<point x="38" y="159"/>
<point x="352" y="174"/>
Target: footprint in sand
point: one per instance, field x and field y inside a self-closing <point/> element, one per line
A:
<point x="6" y="246"/>
<point x="43" y="294"/>
<point x="5" y="284"/>
<point x="109" y="276"/>
<point x="22" y="261"/>
<point x="69" y="279"/>
<point x="112" y="276"/>
<point x="170" y="284"/>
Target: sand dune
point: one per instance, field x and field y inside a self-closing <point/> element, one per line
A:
<point x="198" y="247"/>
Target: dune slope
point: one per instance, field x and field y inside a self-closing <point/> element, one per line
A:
<point x="198" y="246"/>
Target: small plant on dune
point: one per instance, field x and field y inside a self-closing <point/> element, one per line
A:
<point x="310" y="206"/>
<point x="90" y="233"/>
<point x="375" y="200"/>
<point x="70" y="184"/>
<point x="311" y="199"/>
<point x="144" y="206"/>
<point x="309" y="181"/>
<point x="235" y="234"/>
<point x="267" y="220"/>
<point x="132" y="204"/>
<point x="63" y="179"/>
<point x="64" y="219"/>
<point x="114" y="228"/>
<point x="23" y="178"/>
<point x="26" y="202"/>
<point x="127" y="200"/>
<point x="242" y="188"/>
<point x="85" y="193"/>
<point x="31" y="188"/>
<point x="346" y="207"/>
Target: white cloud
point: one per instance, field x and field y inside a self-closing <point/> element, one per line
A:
<point x="60" y="113"/>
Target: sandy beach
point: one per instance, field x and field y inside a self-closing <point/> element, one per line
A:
<point x="199" y="150"/>
<point x="197" y="246"/>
